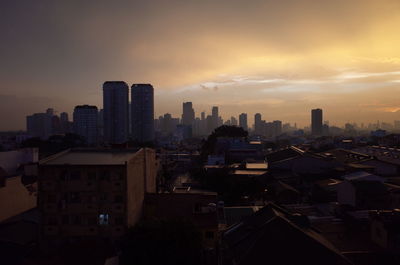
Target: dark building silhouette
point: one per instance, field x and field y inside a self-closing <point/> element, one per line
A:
<point x="188" y="113"/>
<point x="142" y="112"/>
<point x="86" y="122"/>
<point x="243" y="121"/>
<point x="116" y="115"/>
<point x="316" y="121"/>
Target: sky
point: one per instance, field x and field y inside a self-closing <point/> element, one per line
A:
<point x="279" y="58"/>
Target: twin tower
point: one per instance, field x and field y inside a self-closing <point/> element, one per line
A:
<point x="122" y="118"/>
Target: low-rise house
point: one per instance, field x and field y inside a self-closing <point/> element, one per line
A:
<point x="195" y="206"/>
<point x="385" y="229"/>
<point x="273" y="235"/>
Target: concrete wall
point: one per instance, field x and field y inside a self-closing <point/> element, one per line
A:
<point x="15" y="198"/>
<point x="11" y="160"/>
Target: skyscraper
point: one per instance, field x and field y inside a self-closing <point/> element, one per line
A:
<point x="243" y="121"/>
<point x="39" y="125"/>
<point x="188" y="113"/>
<point x="316" y="121"/>
<point x="258" y="124"/>
<point x="215" y="117"/>
<point x="142" y="107"/>
<point x="86" y="122"/>
<point x="116" y="115"/>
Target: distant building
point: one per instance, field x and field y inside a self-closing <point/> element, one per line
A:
<point x="243" y="121"/>
<point x="116" y="114"/>
<point x="234" y="121"/>
<point x="215" y="117"/>
<point x="92" y="193"/>
<point x="316" y="122"/>
<point x="64" y="123"/>
<point x="142" y="112"/>
<point x="86" y="122"/>
<point x="258" y="128"/>
<point x="187" y="113"/>
<point x="39" y="125"/>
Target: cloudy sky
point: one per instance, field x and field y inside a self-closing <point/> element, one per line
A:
<point x="280" y="58"/>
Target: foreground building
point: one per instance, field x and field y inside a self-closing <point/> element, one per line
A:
<point x="94" y="192"/>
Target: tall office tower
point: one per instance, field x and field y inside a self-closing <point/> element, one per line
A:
<point x="39" y="125"/>
<point x="188" y="113"/>
<point x="142" y="100"/>
<point x="316" y="121"/>
<point x="86" y="123"/>
<point x="64" y="122"/>
<point x="215" y="117"/>
<point x="243" y="121"/>
<point x="258" y="128"/>
<point x="277" y="128"/>
<point x="234" y="121"/>
<point x="115" y="111"/>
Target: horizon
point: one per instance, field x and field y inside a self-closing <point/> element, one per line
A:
<point x="280" y="59"/>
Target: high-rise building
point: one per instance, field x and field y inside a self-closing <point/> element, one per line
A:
<point x="64" y="122"/>
<point x="142" y="107"/>
<point x="316" y="121"/>
<point x="116" y="115"/>
<point x="234" y="121"/>
<point x="215" y="117"/>
<point x="258" y="128"/>
<point x="39" y="125"/>
<point x="277" y="128"/>
<point x="243" y="121"/>
<point x="86" y="123"/>
<point x="188" y="113"/>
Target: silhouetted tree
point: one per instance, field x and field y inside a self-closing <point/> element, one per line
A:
<point x="222" y="131"/>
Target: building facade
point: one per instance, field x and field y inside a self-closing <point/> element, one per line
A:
<point x="316" y="121"/>
<point x="86" y="123"/>
<point x="115" y="111"/>
<point x="94" y="193"/>
<point x="243" y="121"/>
<point x="142" y="112"/>
<point x="187" y="113"/>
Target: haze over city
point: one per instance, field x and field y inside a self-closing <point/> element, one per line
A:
<point x="278" y="58"/>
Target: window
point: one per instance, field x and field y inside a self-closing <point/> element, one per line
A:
<point x="92" y="221"/>
<point x="105" y="175"/>
<point x="118" y="199"/>
<point x="64" y="175"/>
<point x="120" y="175"/>
<point x="65" y="219"/>
<point x="76" y="220"/>
<point x="75" y="197"/>
<point x="119" y="220"/>
<point x="91" y="176"/>
<point x="197" y="208"/>
<point x="52" y="221"/>
<point x="104" y="219"/>
<point x="209" y="234"/>
<point x="103" y="197"/>
<point x="75" y="175"/>
<point x="51" y="198"/>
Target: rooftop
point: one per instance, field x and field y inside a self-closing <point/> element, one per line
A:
<point x="90" y="157"/>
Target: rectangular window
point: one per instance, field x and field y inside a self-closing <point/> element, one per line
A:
<point x="118" y="199"/>
<point x="64" y="175"/>
<point x="104" y="219"/>
<point x="65" y="219"/>
<point x="76" y="220"/>
<point x="105" y="175"/>
<point x="209" y="234"/>
<point x="91" y="176"/>
<point x="92" y="221"/>
<point x="75" y="175"/>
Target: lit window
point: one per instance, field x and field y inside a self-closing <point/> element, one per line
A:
<point x="104" y="219"/>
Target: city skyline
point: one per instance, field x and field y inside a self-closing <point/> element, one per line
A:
<point x="279" y="59"/>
